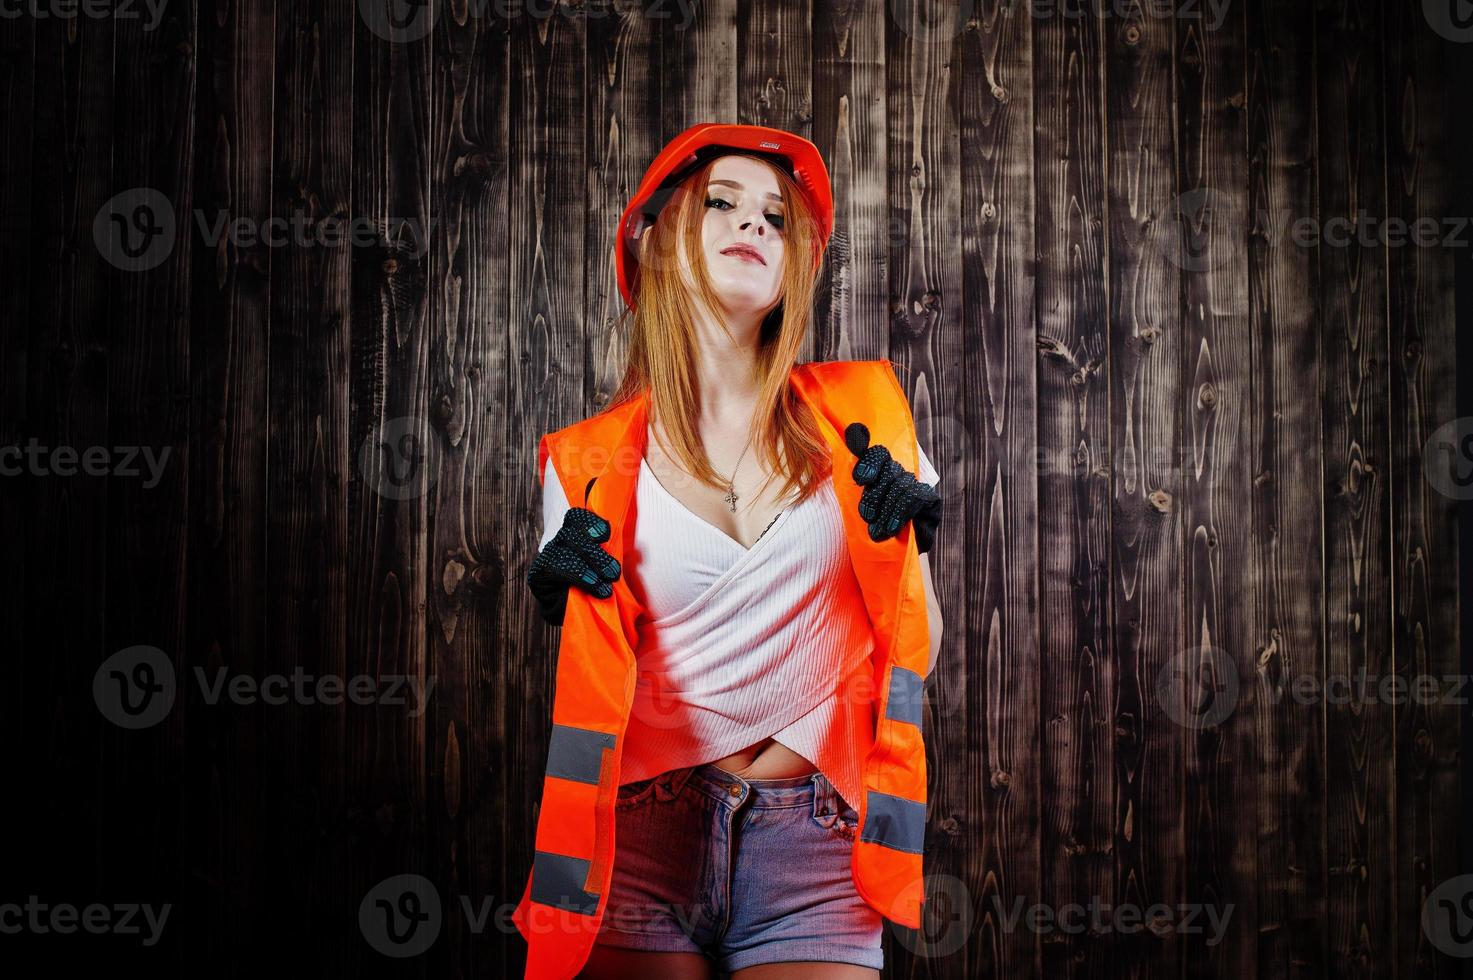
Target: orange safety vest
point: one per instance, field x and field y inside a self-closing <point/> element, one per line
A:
<point x="563" y="904"/>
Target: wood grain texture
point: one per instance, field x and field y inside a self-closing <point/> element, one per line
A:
<point x="849" y="321"/>
<point x="465" y="336"/>
<point x="1288" y="509"/>
<point x="1424" y="570"/>
<point x="1359" y="728"/>
<point x="1079" y="682"/>
<point x="1184" y="432"/>
<point x="987" y="685"/>
<point x="1147" y="470"/>
<point x="1218" y="584"/>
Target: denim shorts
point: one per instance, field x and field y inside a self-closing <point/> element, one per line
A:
<point x="746" y="871"/>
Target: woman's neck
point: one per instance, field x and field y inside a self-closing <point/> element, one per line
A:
<point x="728" y="380"/>
<point x="726" y="368"/>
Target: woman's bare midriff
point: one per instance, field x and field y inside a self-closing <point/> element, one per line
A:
<point x="767" y="759"/>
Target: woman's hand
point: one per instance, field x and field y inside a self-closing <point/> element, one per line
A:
<point x="891" y="495"/>
<point x="573" y="558"/>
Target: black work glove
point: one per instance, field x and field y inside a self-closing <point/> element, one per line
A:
<point x="573" y="558"/>
<point x="891" y="495"/>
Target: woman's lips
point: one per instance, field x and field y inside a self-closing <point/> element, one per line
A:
<point x="744" y="252"/>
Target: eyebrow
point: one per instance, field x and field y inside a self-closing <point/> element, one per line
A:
<point x="732" y="183"/>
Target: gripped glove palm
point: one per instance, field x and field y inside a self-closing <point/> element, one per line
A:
<point x="573" y="558"/>
<point x="891" y="495"/>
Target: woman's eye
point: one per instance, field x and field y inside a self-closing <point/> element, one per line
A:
<point x="776" y="220"/>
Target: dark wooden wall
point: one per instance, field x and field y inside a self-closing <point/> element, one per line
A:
<point x="1175" y="446"/>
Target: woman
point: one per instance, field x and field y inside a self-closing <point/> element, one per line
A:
<point x="746" y="741"/>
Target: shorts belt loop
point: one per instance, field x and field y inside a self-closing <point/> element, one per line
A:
<point x="823" y="796"/>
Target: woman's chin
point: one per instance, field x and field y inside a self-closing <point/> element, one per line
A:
<point x="738" y="299"/>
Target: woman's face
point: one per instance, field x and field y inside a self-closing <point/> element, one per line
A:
<point x="742" y="234"/>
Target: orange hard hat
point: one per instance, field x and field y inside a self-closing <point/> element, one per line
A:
<point x="682" y="155"/>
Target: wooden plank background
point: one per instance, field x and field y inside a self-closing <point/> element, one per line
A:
<point x="1182" y="452"/>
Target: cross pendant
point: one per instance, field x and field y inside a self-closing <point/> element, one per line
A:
<point x="731" y="497"/>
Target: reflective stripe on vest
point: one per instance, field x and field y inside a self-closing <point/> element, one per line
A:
<point x="565" y="897"/>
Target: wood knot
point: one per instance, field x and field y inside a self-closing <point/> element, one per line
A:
<point x="1160" y="500"/>
<point x="443" y="411"/>
<point x="1207" y="395"/>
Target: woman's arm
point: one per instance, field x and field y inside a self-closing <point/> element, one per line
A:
<point x="933" y="612"/>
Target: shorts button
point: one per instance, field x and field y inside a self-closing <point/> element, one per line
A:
<point x="735" y="789"/>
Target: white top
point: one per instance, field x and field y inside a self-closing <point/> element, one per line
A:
<point x="743" y="644"/>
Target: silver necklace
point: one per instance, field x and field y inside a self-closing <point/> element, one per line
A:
<point x="731" y="497"/>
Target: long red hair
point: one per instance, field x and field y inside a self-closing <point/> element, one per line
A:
<point x="661" y="356"/>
